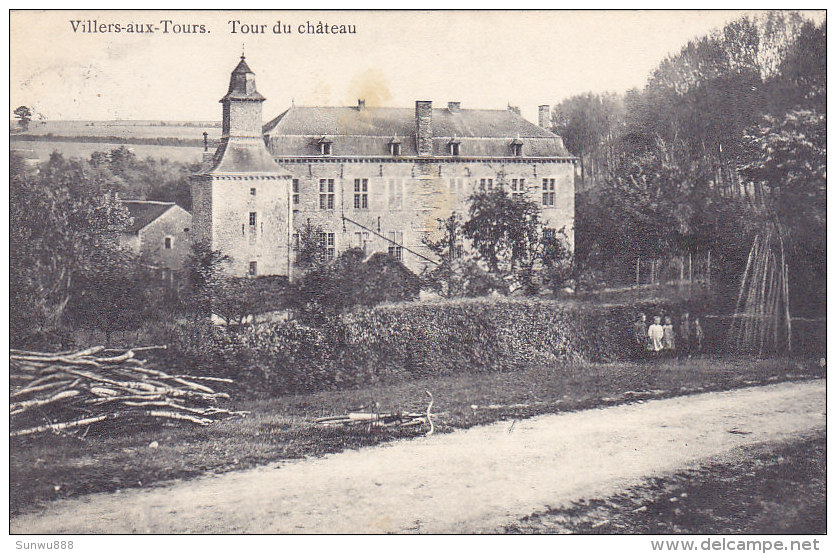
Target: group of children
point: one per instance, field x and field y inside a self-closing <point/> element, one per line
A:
<point x="658" y="339"/>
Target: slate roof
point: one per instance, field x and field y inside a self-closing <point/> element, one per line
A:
<point x="369" y="131"/>
<point x="144" y="212"/>
<point x="303" y="120"/>
<point x="240" y="87"/>
<point x="243" y="155"/>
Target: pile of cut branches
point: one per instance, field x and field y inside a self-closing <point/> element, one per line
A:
<point x="57" y="391"/>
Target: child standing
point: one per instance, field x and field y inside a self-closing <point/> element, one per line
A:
<point x="640" y="336"/>
<point x="685" y="337"/>
<point x="669" y="337"/>
<point x="656" y="335"/>
<point x="698" y="336"/>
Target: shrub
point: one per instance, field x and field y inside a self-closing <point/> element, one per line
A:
<point x="406" y="341"/>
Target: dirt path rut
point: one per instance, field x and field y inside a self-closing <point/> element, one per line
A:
<point x="474" y="480"/>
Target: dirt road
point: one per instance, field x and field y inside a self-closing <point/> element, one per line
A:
<point x="476" y="480"/>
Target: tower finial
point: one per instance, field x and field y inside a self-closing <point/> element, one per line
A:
<point x="242" y="50"/>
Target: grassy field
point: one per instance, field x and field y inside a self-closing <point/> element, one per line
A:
<point x="126" y="129"/>
<point x="771" y="490"/>
<point x="49" y="467"/>
<point x="44" y="148"/>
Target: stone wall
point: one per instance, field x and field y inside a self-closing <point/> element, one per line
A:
<point x="233" y="199"/>
<point x="242" y="119"/>
<point x="408" y="197"/>
<point x="175" y="223"/>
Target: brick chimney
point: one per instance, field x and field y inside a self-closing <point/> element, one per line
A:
<point x="454" y="107"/>
<point x="544" y="116"/>
<point x="208" y="157"/>
<point x="424" y="127"/>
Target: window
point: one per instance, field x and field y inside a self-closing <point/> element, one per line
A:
<point x="394" y="191"/>
<point x="395" y="148"/>
<point x="548" y="192"/>
<point x="454" y="148"/>
<point x="517" y="188"/>
<point x="185" y="229"/>
<point x="395" y="245"/>
<point x="326" y="194"/>
<point x="295" y="246"/>
<point x="361" y="194"/>
<point x="549" y="233"/>
<point x="253" y="268"/>
<point x="168" y="242"/>
<point x="325" y="147"/>
<point x="361" y="239"/>
<point x="486" y="184"/>
<point x="295" y="192"/>
<point x="253" y="219"/>
<point x="252" y="192"/>
<point x="517" y="148"/>
<point x="327" y="242"/>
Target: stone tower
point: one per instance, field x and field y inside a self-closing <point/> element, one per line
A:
<point x="241" y="198"/>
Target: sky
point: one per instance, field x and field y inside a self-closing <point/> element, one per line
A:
<point x="485" y="59"/>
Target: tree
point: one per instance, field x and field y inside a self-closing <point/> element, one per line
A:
<point x="62" y="225"/>
<point x="120" y="170"/>
<point x="787" y="163"/>
<point x="329" y="289"/>
<point x="24" y="116"/>
<point x="446" y="278"/>
<point x="204" y="271"/>
<point x="312" y="250"/>
<point x="557" y="259"/>
<point x="109" y="295"/>
<point x="234" y="299"/>
<point x="386" y="279"/>
<point x="508" y="235"/>
<point x="590" y="125"/>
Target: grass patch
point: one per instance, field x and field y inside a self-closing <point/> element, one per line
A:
<point x="49" y="467"/>
<point x="770" y="490"/>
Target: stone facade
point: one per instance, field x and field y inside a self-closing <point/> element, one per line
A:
<point x="241" y="199"/>
<point x="247" y="218"/>
<point x="403" y="202"/>
<point x="161" y="234"/>
<point x="374" y="178"/>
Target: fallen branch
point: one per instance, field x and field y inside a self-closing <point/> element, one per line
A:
<point x="377" y="419"/>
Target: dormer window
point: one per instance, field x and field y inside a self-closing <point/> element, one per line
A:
<point x="325" y="146"/>
<point x="395" y="146"/>
<point x="517" y="147"/>
<point x="453" y="147"/>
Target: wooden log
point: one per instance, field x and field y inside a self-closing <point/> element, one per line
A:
<point x="184" y="417"/>
<point x="62" y="359"/>
<point x="105" y="400"/>
<point x="44" y="379"/>
<point x="61" y="426"/>
<point x="39" y="388"/>
<point x="116" y="359"/>
<point x="138" y="348"/>
<point x="103" y="391"/>
<point x="202" y="388"/>
<point x="20" y="407"/>
<point x="71" y="353"/>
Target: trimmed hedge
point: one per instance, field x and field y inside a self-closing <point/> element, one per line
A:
<point x="407" y="341"/>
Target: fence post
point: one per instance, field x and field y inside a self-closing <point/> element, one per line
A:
<point x="708" y="276"/>
<point x="690" y="269"/>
